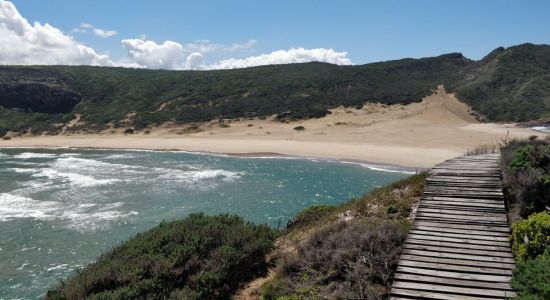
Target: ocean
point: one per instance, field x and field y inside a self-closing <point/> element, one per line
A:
<point x="61" y="208"/>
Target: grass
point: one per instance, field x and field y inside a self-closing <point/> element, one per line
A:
<point x="483" y="149"/>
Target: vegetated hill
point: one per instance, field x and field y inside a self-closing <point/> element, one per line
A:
<point x="509" y="85"/>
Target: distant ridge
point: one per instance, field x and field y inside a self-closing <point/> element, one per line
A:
<point x="510" y="84"/>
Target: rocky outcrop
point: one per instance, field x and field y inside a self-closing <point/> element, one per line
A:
<point x="38" y="97"/>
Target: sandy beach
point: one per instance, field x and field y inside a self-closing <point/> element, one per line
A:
<point x="415" y="135"/>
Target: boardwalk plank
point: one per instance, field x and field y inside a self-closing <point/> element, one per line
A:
<point x="458" y="247"/>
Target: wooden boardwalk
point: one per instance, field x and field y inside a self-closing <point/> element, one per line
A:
<point x="458" y="246"/>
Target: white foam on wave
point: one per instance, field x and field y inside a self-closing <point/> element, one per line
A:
<point x="13" y="206"/>
<point x="83" y="217"/>
<point x="193" y="176"/>
<point x="29" y="155"/>
<point x="74" y="178"/>
<point x="22" y="170"/>
<point x="382" y="168"/>
<point x="541" y="128"/>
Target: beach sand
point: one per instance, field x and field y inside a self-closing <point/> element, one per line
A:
<point x="415" y="135"/>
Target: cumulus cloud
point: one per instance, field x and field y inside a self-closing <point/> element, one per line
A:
<point x="173" y="55"/>
<point x="293" y="55"/>
<point x="23" y="43"/>
<point x="148" y="54"/>
<point x="103" y="33"/>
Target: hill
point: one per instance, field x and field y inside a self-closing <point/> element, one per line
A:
<point x="507" y="85"/>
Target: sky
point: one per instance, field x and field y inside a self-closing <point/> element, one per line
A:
<point x="204" y="35"/>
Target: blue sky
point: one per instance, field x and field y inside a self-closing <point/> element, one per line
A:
<point x="367" y="30"/>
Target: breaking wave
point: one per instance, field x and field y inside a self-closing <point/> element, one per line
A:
<point x="87" y="216"/>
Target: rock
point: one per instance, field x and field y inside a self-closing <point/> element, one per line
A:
<point x="38" y="97"/>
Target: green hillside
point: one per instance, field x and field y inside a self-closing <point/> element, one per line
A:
<point x="508" y="85"/>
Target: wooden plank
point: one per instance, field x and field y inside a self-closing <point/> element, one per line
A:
<point x="458" y="211"/>
<point x="421" y="226"/>
<point x="465" y="226"/>
<point x="456" y="275"/>
<point x="444" y="249"/>
<point x="458" y="256"/>
<point x="462" y="262"/>
<point x="473" y="219"/>
<point x="464" y="203"/>
<point x="457" y="240"/>
<point x="454" y="289"/>
<point x="464" y="247"/>
<point x="461" y="235"/>
<point x="455" y="282"/>
<point x="457" y="268"/>
<point x="416" y="294"/>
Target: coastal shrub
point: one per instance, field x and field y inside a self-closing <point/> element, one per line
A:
<point x="345" y="252"/>
<point x="531" y="279"/>
<point x="341" y="261"/>
<point x="199" y="257"/>
<point x="310" y="214"/>
<point x="129" y="131"/>
<point x="526" y="175"/>
<point x="223" y="125"/>
<point x="299" y="128"/>
<point x="531" y="237"/>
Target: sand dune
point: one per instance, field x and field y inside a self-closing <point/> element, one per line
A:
<point x="415" y="135"/>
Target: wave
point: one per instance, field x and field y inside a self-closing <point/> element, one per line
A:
<point x="194" y="176"/>
<point x="29" y="155"/>
<point x="541" y="128"/>
<point x="82" y="217"/>
<point x="22" y="170"/>
<point x="382" y="168"/>
<point x="13" y="206"/>
<point x="74" y="178"/>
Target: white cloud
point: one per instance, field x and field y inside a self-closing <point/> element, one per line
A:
<point x="23" y="43"/>
<point x="103" y="33"/>
<point x="148" y="54"/>
<point x="194" y="61"/>
<point x="173" y="55"/>
<point x="293" y="55"/>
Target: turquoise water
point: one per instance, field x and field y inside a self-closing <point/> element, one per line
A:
<point x="60" y="208"/>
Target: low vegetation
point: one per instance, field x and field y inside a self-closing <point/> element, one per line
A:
<point x="526" y="175"/>
<point x="507" y="85"/>
<point x="531" y="237"/>
<point x="349" y="251"/>
<point x="532" y="278"/>
<point x="483" y="149"/>
<point x="199" y="257"/>
<point x="526" y="181"/>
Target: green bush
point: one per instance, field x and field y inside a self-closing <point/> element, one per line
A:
<point x="199" y="257"/>
<point x="531" y="237"/>
<point x="526" y="170"/>
<point x="532" y="278"/>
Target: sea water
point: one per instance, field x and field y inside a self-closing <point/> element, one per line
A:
<point x="61" y="208"/>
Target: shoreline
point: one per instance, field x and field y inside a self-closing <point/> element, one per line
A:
<point x="415" y="136"/>
<point x="372" y="165"/>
